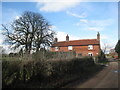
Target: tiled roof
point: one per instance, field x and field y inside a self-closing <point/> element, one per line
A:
<point x="76" y="42"/>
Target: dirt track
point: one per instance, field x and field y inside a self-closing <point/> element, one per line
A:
<point x="107" y="78"/>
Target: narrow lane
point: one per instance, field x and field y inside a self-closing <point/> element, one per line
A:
<point x="107" y="78"/>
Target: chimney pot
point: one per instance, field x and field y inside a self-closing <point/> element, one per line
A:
<point x="98" y="36"/>
<point x="67" y="38"/>
<point x="56" y="40"/>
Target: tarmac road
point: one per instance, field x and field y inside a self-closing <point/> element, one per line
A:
<point x="107" y="78"/>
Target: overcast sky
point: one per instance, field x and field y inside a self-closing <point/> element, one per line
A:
<point x="80" y="20"/>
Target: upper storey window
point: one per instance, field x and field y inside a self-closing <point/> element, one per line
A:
<point x="90" y="47"/>
<point x="70" y="48"/>
<point x="56" y="48"/>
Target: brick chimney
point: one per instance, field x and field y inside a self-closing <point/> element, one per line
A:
<point x="98" y="36"/>
<point x="56" y="40"/>
<point x="67" y="38"/>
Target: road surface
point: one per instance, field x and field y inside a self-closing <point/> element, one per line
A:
<point x="107" y="78"/>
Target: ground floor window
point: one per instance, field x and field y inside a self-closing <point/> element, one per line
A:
<point x="90" y="54"/>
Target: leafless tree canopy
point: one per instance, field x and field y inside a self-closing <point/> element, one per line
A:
<point x="30" y="31"/>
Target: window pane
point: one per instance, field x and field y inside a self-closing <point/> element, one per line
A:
<point x="90" y="54"/>
<point x="90" y="47"/>
<point x="56" y="48"/>
<point x="69" y="47"/>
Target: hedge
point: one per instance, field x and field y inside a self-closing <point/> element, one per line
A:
<point x="20" y="73"/>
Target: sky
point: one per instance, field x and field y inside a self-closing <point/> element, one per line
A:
<point x="80" y="20"/>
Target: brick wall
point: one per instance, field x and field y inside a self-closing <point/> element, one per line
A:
<point x="83" y="50"/>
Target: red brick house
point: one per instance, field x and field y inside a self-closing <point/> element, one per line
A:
<point x="83" y="47"/>
<point x="113" y="53"/>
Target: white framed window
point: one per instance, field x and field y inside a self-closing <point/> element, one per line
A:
<point x="90" y="47"/>
<point x="70" y="47"/>
<point x="56" y="48"/>
<point x="90" y="54"/>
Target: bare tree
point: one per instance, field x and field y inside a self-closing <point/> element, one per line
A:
<point x="30" y="31"/>
<point x="106" y="47"/>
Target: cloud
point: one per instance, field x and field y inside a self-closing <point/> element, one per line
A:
<point x="105" y="22"/>
<point x="62" y="36"/>
<point x="6" y="47"/>
<point x="53" y="27"/>
<point x="55" y="5"/>
<point x="94" y="25"/>
<point x="95" y="28"/>
<point x="84" y="20"/>
<point x="104" y="37"/>
<point x="83" y="15"/>
<point x="17" y="17"/>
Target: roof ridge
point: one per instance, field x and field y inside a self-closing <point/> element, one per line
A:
<point x="77" y="40"/>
